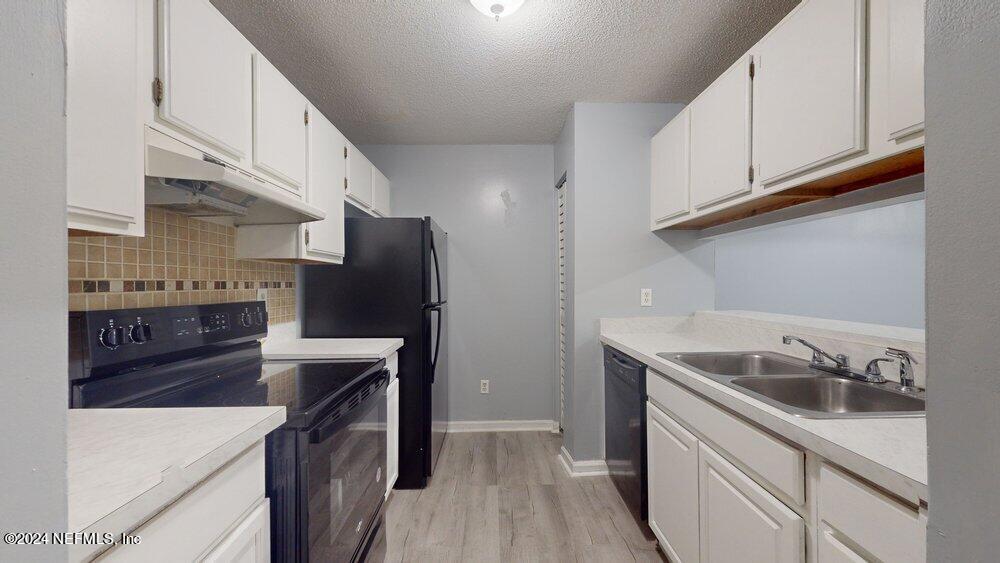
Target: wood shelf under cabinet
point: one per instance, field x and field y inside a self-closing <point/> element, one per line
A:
<point x="898" y="166"/>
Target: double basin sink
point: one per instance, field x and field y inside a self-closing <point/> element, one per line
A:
<point x="789" y="384"/>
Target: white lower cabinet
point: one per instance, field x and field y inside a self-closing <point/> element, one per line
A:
<point x="875" y="525"/>
<point x="831" y="550"/>
<point x="673" y="502"/>
<point x="392" y="434"/>
<point x="740" y="521"/>
<point x="722" y="489"/>
<point x="250" y="542"/>
<point x="225" y="518"/>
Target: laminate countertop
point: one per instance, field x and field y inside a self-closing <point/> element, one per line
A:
<point x="330" y="348"/>
<point x="890" y="452"/>
<point x="126" y="465"/>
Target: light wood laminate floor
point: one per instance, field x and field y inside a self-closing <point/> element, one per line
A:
<point x="505" y="496"/>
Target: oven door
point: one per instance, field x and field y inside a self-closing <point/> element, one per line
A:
<point x="345" y="474"/>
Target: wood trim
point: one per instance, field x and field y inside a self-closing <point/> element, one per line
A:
<point x="888" y="169"/>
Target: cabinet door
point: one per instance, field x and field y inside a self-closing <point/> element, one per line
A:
<point x="720" y="138"/>
<point x="672" y="465"/>
<point x="809" y="89"/>
<point x="204" y="64"/>
<point x="359" y="176"/>
<point x="249" y="542"/>
<point x="279" y="128"/>
<point x="380" y="192"/>
<point x="104" y="160"/>
<point x="392" y="434"/>
<point x="740" y="521"/>
<point x="906" y="67"/>
<point x="327" y="168"/>
<point x="669" y="171"/>
<point x="832" y="550"/>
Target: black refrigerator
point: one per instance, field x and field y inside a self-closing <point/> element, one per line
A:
<point x="393" y="283"/>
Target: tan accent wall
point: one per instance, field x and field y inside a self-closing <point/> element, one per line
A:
<point x="180" y="261"/>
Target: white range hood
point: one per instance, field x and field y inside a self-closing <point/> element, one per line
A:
<point x="184" y="180"/>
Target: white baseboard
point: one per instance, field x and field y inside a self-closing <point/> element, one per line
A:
<point x="503" y="426"/>
<point x="584" y="468"/>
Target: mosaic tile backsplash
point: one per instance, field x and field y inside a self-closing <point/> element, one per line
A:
<point x="180" y="261"/>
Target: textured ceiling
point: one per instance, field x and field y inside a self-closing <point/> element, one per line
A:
<point x="439" y="72"/>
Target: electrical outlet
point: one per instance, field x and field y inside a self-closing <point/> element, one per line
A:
<point x="484" y="386"/>
<point x="646" y="297"/>
<point x="261" y="294"/>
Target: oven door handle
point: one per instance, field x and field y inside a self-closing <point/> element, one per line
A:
<point x="333" y="423"/>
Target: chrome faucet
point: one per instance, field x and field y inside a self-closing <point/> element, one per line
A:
<point x="842" y="367"/>
<point x="906" y="361"/>
<point x="841" y="360"/>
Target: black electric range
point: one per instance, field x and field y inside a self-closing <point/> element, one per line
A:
<point x="325" y="465"/>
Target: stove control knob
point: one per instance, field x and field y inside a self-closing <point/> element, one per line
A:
<point x="111" y="338"/>
<point x="139" y="333"/>
<point x="245" y="319"/>
<point x="259" y="317"/>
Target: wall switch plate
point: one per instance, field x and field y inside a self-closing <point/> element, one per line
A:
<point x="646" y="297"/>
<point x="484" y="386"/>
<point x="261" y="294"/>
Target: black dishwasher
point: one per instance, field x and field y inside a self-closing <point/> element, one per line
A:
<point x="625" y="428"/>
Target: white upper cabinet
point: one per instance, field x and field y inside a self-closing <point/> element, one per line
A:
<point x="906" y="68"/>
<point x="104" y="158"/>
<point x="204" y="67"/>
<point x="669" y="171"/>
<point x="673" y="486"/>
<point x="327" y="169"/>
<point x="809" y="89"/>
<point x="720" y="138"/>
<point x="359" y="176"/>
<point x="279" y="128"/>
<point x="740" y="521"/>
<point x="380" y="193"/>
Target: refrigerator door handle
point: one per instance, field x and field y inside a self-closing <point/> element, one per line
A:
<point x="437" y="343"/>
<point x="437" y="269"/>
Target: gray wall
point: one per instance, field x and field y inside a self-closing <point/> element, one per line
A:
<point x="963" y="278"/>
<point x="33" y="276"/>
<point x="615" y="254"/>
<point x="499" y="208"/>
<point x="864" y="265"/>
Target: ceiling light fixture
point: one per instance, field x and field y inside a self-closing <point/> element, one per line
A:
<point x="497" y="8"/>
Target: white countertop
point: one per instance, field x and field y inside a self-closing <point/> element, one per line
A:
<point x="126" y="465"/>
<point x="890" y="452"/>
<point x="330" y="348"/>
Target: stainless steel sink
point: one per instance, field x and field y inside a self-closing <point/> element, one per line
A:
<point x="789" y="384"/>
<point x="830" y="395"/>
<point x="742" y="363"/>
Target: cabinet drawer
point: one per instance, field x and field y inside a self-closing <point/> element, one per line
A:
<point x="740" y="521"/>
<point x="880" y="525"/>
<point x="778" y="463"/>
<point x="185" y="530"/>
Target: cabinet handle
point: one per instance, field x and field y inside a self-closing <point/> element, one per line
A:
<point x="307" y="237"/>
